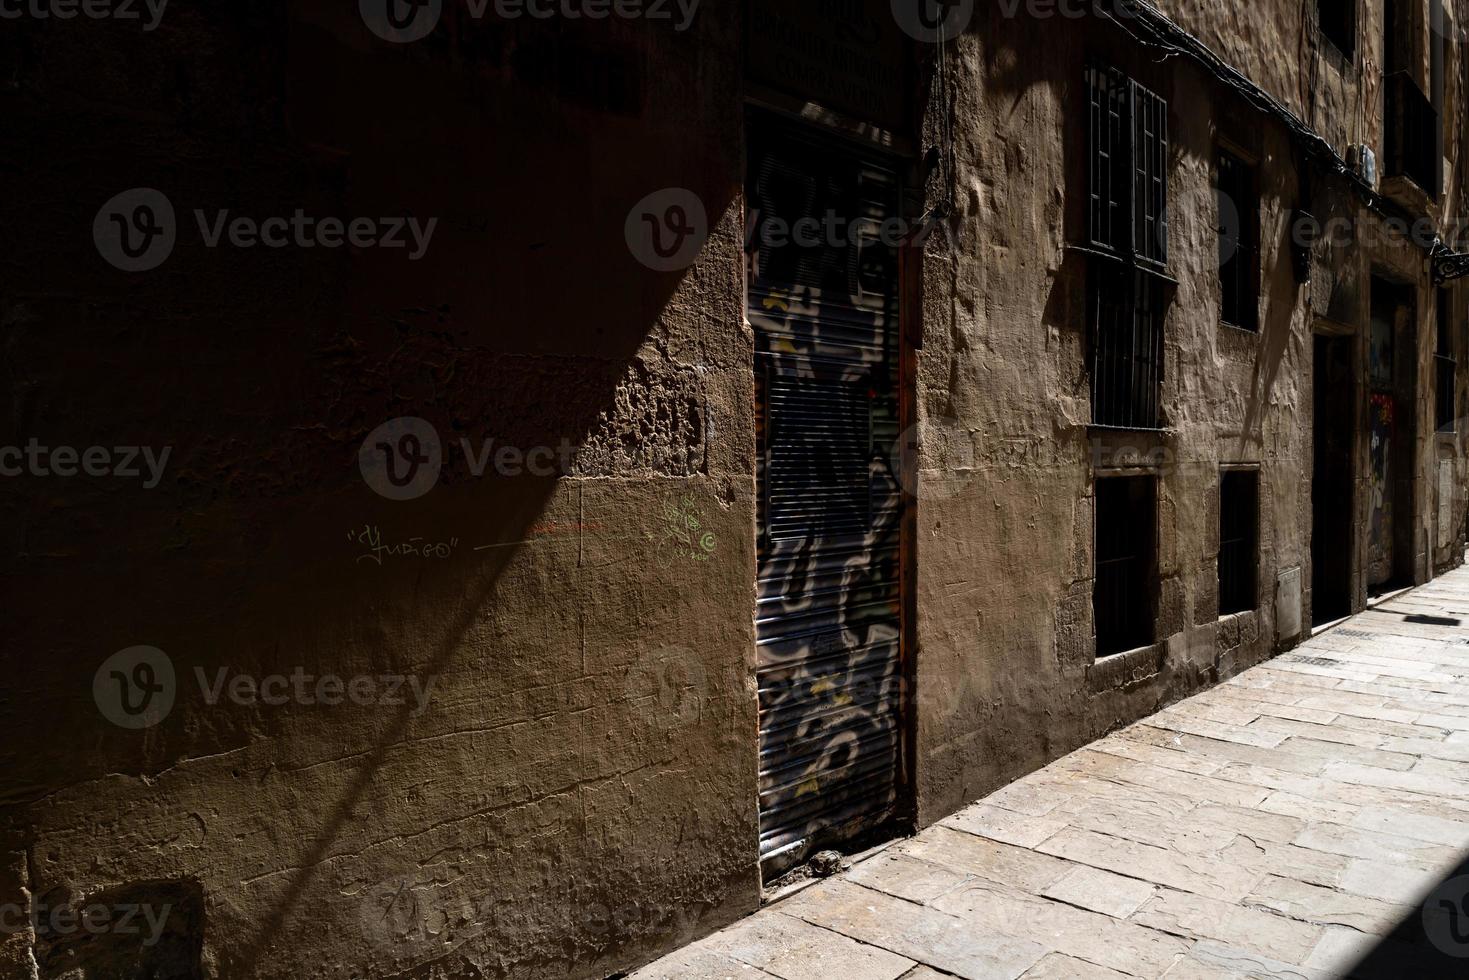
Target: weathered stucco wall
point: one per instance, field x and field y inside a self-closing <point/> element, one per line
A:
<point x="1006" y="676"/>
<point x="579" y="792"/>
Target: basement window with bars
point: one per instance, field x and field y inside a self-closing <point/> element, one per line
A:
<point x="1338" y="22"/>
<point x="1127" y="223"/>
<point x="1125" y="556"/>
<point x="1445" y="364"/>
<point x="1239" y="264"/>
<point x="1239" y="539"/>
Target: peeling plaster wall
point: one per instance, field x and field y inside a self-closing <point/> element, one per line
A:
<point x="580" y="792"/>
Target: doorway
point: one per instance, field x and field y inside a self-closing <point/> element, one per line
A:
<point x="1332" y="479"/>
<point x="1391" y="424"/>
<point x="824" y="306"/>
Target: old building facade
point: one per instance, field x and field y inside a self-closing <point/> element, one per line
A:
<point x="781" y="425"/>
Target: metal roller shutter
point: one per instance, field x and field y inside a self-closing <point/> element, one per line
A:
<point x="825" y="315"/>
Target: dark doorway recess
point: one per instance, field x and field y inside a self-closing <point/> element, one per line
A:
<point x="1332" y="480"/>
<point x="1391" y="436"/>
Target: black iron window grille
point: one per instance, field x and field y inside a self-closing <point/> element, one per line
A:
<point x="1126" y="348"/>
<point x="1127" y="167"/>
<point x="1338" y="22"/>
<point x="1239" y="265"/>
<point x="1239" y="539"/>
<point x="1126" y="563"/>
<point x="1446" y="364"/>
<point x="1127" y="173"/>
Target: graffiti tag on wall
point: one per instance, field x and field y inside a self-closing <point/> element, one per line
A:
<point x="682" y="529"/>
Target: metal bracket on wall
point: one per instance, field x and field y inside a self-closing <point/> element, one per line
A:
<point x="1448" y="265"/>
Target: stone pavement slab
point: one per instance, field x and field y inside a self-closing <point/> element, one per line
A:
<point x="1289" y="823"/>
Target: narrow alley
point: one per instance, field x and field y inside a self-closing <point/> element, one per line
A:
<point x="1294" y="821"/>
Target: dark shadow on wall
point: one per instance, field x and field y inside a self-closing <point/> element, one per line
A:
<point x="263" y="370"/>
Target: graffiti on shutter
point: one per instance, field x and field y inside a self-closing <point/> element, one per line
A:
<point x="825" y="317"/>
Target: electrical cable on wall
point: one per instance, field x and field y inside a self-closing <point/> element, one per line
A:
<point x="1163" y="34"/>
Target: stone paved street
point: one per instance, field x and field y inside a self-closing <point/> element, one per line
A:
<point x="1283" y="824"/>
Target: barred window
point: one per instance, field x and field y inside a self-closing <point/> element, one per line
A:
<point x="1125" y="563"/>
<point x="1127" y="154"/>
<point x="1126" y="340"/>
<point x="1239" y="264"/>
<point x="1445" y="364"/>
<point x="1127" y="173"/>
<point x="1239" y="539"/>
